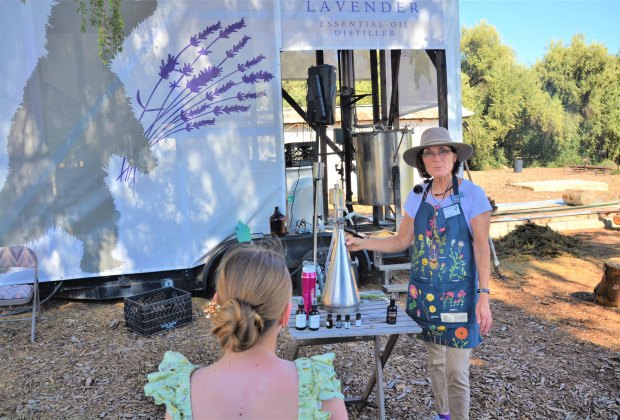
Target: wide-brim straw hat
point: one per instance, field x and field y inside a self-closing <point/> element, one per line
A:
<point x="437" y="136"/>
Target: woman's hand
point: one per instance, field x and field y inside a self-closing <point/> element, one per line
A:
<point x="397" y="243"/>
<point x="483" y="313"/>
<point x="353" y="243"/>
<point x="480" y="226"/>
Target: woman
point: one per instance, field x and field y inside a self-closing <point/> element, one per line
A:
<point x="448" y="223"/>
<point x="250" y="381"/>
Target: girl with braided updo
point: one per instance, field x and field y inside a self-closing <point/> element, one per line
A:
<point x="253" y="294"/>
<point x="253" y="285"/>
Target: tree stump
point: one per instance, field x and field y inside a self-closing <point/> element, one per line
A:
<point x="579" y="197"/>
<point x="607" y="292"/>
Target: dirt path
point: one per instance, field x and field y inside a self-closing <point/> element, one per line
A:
<point x="498" y="183"/>
<point x="552" y="352"/>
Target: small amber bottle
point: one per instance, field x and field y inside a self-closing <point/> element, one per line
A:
<point x="315" y="318"/>
<point x="329" y="323"/>
<point x="300" y="317"/>
<point x="392" y="311"/>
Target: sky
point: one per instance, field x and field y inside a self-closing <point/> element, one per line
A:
<point x="528" y="26"/>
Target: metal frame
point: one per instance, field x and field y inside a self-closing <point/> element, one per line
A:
<point x="372" y="329"/>
<point x="22" y="257"/>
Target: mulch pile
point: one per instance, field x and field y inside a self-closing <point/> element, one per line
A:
<point x="537" y="241"/>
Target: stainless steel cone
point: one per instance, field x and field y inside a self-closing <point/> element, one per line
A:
<point x="340" y="294"/>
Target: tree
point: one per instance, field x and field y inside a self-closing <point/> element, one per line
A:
<point x="585" y="78"/>
<point x="481" y="48"/>
<point x="603" y="121"/>
<point x="513" y="116"/>
<point x="108" y="21"/>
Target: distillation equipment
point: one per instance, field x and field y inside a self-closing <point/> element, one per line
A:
<point x="340" y="294"/>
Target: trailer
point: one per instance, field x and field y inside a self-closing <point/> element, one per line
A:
<point x="136" y="174"/>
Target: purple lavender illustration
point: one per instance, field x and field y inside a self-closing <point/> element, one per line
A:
<point x="196" y="97"/>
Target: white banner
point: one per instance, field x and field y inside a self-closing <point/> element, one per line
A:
<point x="364" y="24"/>
<point x="146" y="163"/>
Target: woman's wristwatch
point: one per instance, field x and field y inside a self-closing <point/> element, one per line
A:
<point x="488" y="291"/>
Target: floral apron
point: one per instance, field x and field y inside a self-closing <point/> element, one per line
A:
<point x="443" y="281"/>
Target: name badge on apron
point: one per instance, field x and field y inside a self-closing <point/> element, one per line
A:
<point x="451" y="211"/>
<point x="454" y="317"/>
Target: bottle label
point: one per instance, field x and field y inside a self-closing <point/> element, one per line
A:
<point x="358" y="322"/>
<point x="300" y="321"/>
<point x="315" y="321"/>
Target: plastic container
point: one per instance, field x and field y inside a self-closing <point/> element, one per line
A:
<point x="299" y="154"/>
<point x="518" y="165"/>
<point x="300" y="199"/>
<point x="158" y="310"/>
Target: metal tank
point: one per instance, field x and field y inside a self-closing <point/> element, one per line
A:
<point x="374" y="157"/>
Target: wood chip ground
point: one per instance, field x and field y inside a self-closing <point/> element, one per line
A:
<point x="552" y="353"/>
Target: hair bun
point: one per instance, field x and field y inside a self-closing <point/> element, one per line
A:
<point x="237" y="325"/>
<point x="253" y="286"/>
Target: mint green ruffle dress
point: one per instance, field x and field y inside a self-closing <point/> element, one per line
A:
<point x="317" y="383"/>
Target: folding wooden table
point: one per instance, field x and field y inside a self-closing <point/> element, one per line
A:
<point x="372" y="329"/>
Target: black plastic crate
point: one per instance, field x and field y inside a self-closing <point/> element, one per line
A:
<point x="299" y="154"/>
<point x="158" y="310"/>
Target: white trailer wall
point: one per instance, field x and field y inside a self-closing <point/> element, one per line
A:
<point x="208" y="148"/>
<point x="147" y="163"/>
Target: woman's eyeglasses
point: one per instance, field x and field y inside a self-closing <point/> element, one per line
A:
<point x="427" y="154"/>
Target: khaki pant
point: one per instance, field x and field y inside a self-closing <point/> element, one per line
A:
<point x="449" y="371"/>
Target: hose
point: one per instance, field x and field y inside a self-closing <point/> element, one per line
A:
<point x="23" y="311"/>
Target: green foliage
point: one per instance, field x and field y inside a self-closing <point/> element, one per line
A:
<point x="106" y="17"/>
<point x="561" y="111"/>
<point x="607" y="164"/>
<point x="513" y="116"/>
<point x="480" y="49"/>
<point x="571" y="73"/>
<point x="586" y="79"/>
<point x="297" y="89"/>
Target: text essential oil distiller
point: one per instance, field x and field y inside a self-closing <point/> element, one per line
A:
<point x="340" y="294"/>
